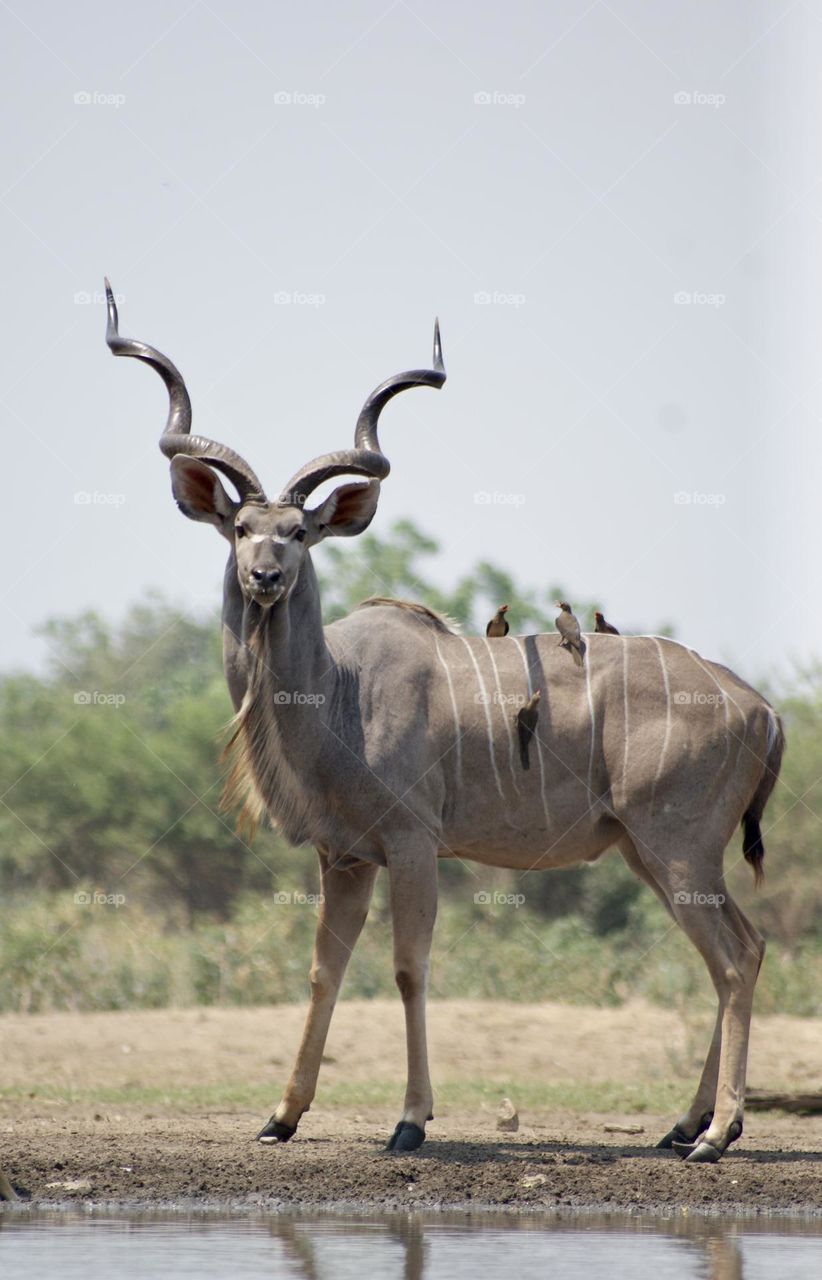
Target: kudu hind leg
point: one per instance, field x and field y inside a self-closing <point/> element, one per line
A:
<point x="413" y="881"/>
<point x="734" y="958"/>
<point x="732" y="950"/>
<point x="700" y="1113"/>
<point x="346" y="897"/>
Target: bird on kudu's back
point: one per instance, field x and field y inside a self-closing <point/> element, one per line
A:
<point x="570" y="634"/>
<point x="526" y="721"/>
<point x="498" y="626"/>
<point x="602" y="627"/>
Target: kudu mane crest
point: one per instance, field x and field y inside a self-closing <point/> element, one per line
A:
<point x="421" y="611"/>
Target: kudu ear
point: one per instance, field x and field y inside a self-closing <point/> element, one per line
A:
<point x="347" y="511"/>
<point x="200" y="495"/>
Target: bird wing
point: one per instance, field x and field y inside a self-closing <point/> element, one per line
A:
<point x="568" y="628"/>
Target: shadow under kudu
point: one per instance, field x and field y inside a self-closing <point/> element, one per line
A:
<point x="473" y="1152"/>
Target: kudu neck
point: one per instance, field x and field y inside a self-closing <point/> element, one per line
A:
<point x="289" y="638"/>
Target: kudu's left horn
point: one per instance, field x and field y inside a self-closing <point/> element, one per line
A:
<point x="176" y="437"/>
<point x="367" y="457"/>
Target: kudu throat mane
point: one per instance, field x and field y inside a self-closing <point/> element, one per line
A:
<point x="261" y="779"/>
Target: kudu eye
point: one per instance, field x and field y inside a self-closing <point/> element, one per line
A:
<point x="300" y="535"/>
<point x="239" y="529"/>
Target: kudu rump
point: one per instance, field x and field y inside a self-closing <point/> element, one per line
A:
<point x="388" y="740"/>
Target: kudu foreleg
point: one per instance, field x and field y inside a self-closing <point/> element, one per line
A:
<point x="344" y="907"/>
<point x="413" y="881"/>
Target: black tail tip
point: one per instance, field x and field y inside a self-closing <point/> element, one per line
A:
<point x="753" y="847"/>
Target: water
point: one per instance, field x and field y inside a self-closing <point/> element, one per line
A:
<point x="39" y="1245"/>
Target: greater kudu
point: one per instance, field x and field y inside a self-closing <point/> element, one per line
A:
<point x="387" y="739"/>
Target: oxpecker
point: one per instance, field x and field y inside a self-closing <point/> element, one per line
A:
<point x="570" y="636"/>
<point x="498" y="626"/>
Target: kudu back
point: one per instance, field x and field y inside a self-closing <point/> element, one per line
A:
<point x="388" y="740"/>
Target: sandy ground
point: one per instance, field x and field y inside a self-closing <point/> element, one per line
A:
<point x="164" y="1154"/>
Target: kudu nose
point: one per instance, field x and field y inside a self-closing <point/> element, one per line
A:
<point x="266" y="577"/>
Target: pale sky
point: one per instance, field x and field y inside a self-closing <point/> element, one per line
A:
<point x="284" y="196"/>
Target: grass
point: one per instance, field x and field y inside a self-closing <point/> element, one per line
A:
<point x="57" y="955"/>
<point x="569" y="1095"/>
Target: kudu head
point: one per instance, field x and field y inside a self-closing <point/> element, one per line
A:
<point x="270" y="539"/>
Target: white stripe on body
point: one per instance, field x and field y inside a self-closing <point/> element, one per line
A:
<point x="593" y="721"/>
<point x="726" y="698"/>
<point x="536" y="737"/>
<point x="668" y="717"/>
<point x="625" y="724"/>
<point x="505" y="715"/>
<point x="489" y="726"/>
<point x="455" y="709"/>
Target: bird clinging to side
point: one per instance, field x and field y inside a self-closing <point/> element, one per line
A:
<point x="602" y="627"/>
<point x="526" y="722"/>
<point x="498" y="626"/>
<point x="570" y="635"/>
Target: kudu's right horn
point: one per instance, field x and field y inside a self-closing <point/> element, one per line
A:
<point x="176" y="437"/>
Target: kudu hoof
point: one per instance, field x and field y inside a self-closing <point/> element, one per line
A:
<point x="674" y="1137"/>
<point x="406" y="1137"/>
<point x="678" y="1136"/>
<point x="697" y="1152"/>
<point x="275" y="1131"/>
<point x="707" y="1152"/>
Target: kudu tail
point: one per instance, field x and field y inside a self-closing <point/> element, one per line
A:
<point x="752" y="844"/>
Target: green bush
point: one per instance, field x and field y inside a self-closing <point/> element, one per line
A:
<point x="57" y="954"/>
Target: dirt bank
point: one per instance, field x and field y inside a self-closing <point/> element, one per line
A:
<point x="70" y="1114"/>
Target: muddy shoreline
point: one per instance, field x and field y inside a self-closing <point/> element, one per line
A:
<point x="72" y="1135"/>
<point x="210" y="1163"/>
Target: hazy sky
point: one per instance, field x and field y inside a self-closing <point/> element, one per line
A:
<point x="285" y="196"/>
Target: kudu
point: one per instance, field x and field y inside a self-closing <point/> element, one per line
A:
<point x="388" y="740"/>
